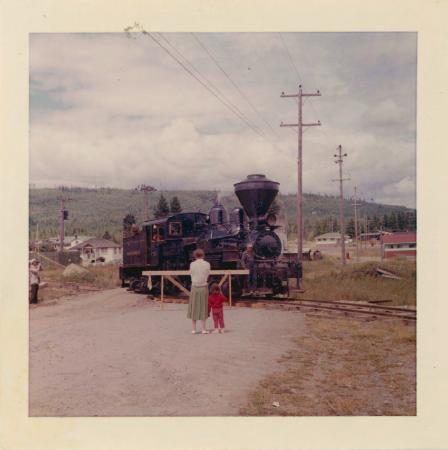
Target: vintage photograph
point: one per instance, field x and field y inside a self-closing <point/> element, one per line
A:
<point x="222" y="224"/>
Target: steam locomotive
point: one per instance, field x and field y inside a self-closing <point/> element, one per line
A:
<point x="168" y="243"/>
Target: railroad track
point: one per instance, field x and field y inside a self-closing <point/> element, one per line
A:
<point x="340" y="307"/>
<point x="345" y="308"/>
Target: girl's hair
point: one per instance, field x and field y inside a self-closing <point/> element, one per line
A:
<point x="215" y="289"/>
<point x="198" y="253"/>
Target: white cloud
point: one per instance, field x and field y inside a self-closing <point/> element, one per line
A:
<point x="117" y="111"/>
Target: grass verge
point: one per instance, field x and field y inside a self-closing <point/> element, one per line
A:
<point x="326" y="280"/>
<point x="343" y="368"/>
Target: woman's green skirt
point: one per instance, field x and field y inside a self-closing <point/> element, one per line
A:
<point x="198" y="303"/>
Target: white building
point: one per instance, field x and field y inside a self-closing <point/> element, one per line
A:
<point x="69" y="241"/>
<point x="99" y="251"/>
<point x="331" y="239"/>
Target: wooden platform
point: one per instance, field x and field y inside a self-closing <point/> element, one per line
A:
<point x="171" y="274"/>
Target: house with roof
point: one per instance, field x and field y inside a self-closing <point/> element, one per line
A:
<point x="333" y="238"/>
<point x="99" y="251"/>
<point x="400" y="244"/>
<point x="69" y="241"/>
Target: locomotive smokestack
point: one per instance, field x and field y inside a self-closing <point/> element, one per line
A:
<point x="256" y="194"/>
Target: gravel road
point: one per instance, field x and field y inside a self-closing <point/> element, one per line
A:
<point x="115" y="353"/>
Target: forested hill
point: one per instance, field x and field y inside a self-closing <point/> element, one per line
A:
<point x="95" y="211"/>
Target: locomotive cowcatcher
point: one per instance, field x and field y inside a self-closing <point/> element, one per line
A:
<point x="168" y="243"/>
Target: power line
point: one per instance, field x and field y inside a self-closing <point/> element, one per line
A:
<point x="290" y="58"/>
<point x="201" y="44"/>
<point x="197" y="76"/>
<point x="214" y="90"/>
<point x="210" y="87"/>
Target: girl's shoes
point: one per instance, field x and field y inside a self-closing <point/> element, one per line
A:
<point x="204" y="332"/>
<point x="193" y="331"/>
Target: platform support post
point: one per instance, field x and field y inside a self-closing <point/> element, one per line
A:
<point x="230" y="290"/>
<point x="161" y="292"/>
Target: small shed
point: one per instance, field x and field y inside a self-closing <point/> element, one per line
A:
<point x="331" y="239"/>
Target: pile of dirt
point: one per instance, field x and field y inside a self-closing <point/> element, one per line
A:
<point x="75" y="272"/>
<point x="373" y="269"/>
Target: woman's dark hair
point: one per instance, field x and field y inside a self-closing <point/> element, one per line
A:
<point x="215" y="289"/>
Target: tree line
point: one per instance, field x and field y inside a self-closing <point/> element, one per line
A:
<point x="393" y="222"/>
<point x="162" y="209"/>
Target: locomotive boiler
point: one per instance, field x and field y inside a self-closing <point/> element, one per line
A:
<point x="168" y="243"/>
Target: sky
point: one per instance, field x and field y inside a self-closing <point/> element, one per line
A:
<point x="118" y="110"/>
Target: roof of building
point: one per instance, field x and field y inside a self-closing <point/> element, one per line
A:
<point x="331" y="236"/>
<point x="400" y="238"/>
<point x="69" y="239"/>
<point x="97" y="243"/>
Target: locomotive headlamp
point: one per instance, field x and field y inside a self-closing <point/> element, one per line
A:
<point x="271" y="219"/>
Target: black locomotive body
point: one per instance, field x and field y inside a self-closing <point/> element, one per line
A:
<point x="168" y="243"/>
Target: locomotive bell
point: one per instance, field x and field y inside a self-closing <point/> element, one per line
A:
<point x="256" y="194"/>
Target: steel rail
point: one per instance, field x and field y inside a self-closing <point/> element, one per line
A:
<point x="343" y="308"/>
<point x="356" y="304"/>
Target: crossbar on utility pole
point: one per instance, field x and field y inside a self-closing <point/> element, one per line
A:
<point x="339" y="161"/>
<point x="300" y="126"/>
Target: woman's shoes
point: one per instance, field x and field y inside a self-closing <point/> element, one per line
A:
<point x="204" y="332"/>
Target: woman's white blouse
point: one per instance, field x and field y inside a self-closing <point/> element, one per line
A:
<point x="199" y="270"/>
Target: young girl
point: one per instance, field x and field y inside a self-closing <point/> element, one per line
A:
<point x="215" y="301"/>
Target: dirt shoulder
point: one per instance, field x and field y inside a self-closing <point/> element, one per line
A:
<point x="113" y="353"/>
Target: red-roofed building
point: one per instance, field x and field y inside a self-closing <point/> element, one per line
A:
<point x="400" y="244"/>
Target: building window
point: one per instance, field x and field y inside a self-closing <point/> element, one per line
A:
<point x="158" y="233"/>
<point x="175" y="229"/>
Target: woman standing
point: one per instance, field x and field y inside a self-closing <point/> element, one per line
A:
<point x="198" y="301"/>
<point x="35" y="268"/>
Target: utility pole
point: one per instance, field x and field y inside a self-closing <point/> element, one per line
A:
<point x="146" y="190"/>
<point x="36" y="246"/>
<point x="339" y="161"/>
<point x="62" y="218"/>
<point x="356" y="227"/>
<point x="366" y="230"/>
<point x="300" y="126"/>
<point x="61" y="225"/>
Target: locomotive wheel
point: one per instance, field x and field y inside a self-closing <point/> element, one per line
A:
<point x="277" y="287"/>
<point x="134" y="284"/>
